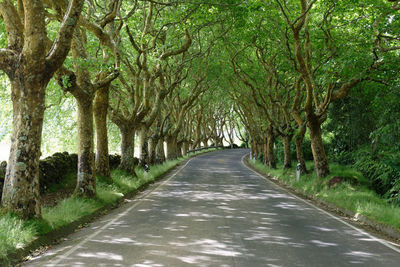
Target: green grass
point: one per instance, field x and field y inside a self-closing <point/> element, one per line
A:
<point x="69" y="210"/>
<point x="356" y="197"/>
<point x="16" y="233"/>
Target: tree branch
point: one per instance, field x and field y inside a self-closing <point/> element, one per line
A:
<point x="62" y="44"/>
<point x="181" y="50"/>
<point x="8" y="59"/>
<point x="112" y="76"/>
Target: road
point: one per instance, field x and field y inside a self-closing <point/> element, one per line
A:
<point x="214" y="211"/>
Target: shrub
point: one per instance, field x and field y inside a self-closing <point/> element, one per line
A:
<point x="382" y="169"/>
<point x="115" y="160"/>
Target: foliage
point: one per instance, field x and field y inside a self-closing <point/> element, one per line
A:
<point x="383" y="170"/>
<point x="14" y="233"/>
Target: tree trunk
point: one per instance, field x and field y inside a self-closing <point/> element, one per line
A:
<point x="205" y="142"/>
<point x="253" y="150"/>
<point x="221" y="142"/>
<point x="127" y="150"/>
<point x="143" y="148"/>
<point x="86" y="184"/>
<point x="171" y="148"/>
<point x="179" y="149"/>
<point x="102" y="162"/>
<point x="260" y="151"/>
<point x="270" y="149"/>
<point x="287" y="163"/>
<point x="185" y="148"/>
<point x="321" y="164"/>
<point x="160" y="153"/>
<point x="298" y="140"/>
<point x="152" y="145"/>
<point x="265" y="153"/>
<point x="21" y="183"/>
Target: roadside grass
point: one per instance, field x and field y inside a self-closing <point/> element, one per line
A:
<point x="68" y="210"/>
<point x="16" y="233"/>
<point x="353" y="196"/>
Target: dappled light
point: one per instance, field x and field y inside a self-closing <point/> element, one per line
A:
<point x="120" y="92"/>
<point x="199" y="219"/>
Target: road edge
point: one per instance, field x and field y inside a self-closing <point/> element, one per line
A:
<point x="389" y="235"/>
<point x="40" y="244"/>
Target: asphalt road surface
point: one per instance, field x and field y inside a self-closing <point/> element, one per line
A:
<point x="215" y="211"/>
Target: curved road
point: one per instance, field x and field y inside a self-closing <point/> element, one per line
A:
<point x="216" y="212"/>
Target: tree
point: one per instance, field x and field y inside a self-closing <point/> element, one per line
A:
<point x="30" y="68"/>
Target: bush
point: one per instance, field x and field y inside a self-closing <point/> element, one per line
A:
<point x="382" y="169"/>
<point x="343" y="157"/>
<point x="115" y="160"/>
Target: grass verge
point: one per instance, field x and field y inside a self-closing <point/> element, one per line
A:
<point x="16" y="233"/>
<point x="354" y="194"/>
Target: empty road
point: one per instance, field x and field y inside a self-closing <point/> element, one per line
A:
<point x="214" y="211"/>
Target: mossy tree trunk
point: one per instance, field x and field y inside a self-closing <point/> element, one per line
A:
<point x="172" y="147"/>
<point x="127" y="149"/>
<point x="270" y="148"/>
<point x="287" y="162"/>
<point x="21" y="183"/>
<point x="179" y="149"/>
<point x="298" y="140"/>
<point x="160" y="153"/>
<point x="143" y="146"/>
<point x="101" y="103"/>
<point x="86" y="183"/>
<point x="29" y="66"/>
<point x="152" y="145"/>
<point x="185" y="147"/>
<point x="321" y="164"/>
<point x="265" y="153"/>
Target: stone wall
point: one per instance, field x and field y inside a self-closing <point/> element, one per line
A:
<point x="53" y="168"/>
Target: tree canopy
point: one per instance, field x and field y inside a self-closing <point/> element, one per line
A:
<point x="318" y="79"/>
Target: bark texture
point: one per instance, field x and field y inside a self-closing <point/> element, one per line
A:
<point x="101" y="101"/>
<point x="298" y="139"/>
<point x="86" y="183"/>
<point x="270" y="148"/>
<point x="160" y="153"/>
<point x="29" y="66"/>
<point x="152" y="145"/>
<point x="287" y="164"/>
<point x="172" y="148"/>
<point x="143" y="146"/>
<point x="185" y="148"/>
<point x="127" y="150"/>
<point x="21" y="184"/>
<point x="317" y="146"/>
